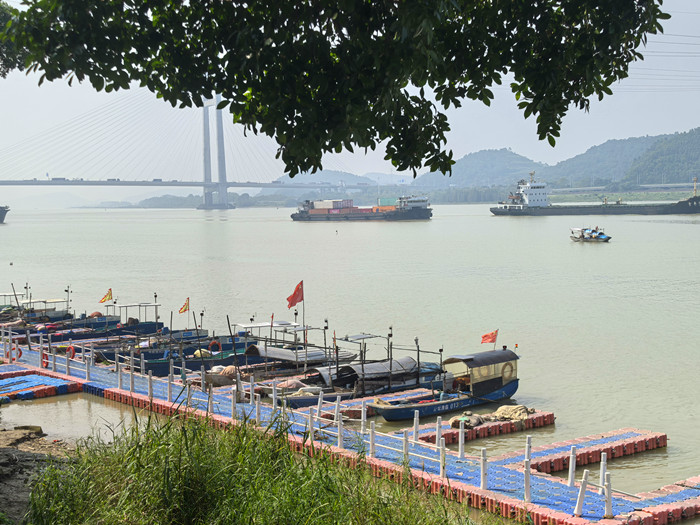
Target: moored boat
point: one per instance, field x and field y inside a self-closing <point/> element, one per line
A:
<point x="3" y="212"/>
<point x="469" y="380"/>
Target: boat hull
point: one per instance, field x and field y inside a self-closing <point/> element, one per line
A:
<point x="414" y="214"/>
<point x="689" y="206"/>
<point x="400" y="412"/>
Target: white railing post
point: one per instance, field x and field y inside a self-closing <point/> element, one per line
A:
<point x="484" y="469"/>
<point x="581" y="494"/>
<point x="572" y="467"/>
<point x="234" y="395"/>
<point x="608" y="497"/>
<point x="142" y="364"/>
<point x="337" y="409"/>
<point x="257" y="409"/>
<point x="252" y="388"/>
<point x="189" y="395"/>
<point x="405" y="445"/>
<point x="319" y="406"/>
<point x="461" y="439"/>
<point x="170" y="382"/>
<point x="131" y="370"/>
<point x="120" y="382"/>
<point x="603" y="470"/>
<point x="67" y="364"/>
<point x="363" y="418"/>
<point x="416" y="424"/>
<point x="340" y="433"/>
<point x="210" y="400"/>
<point x="443" y="457"/>
<point x="274" y="396"/>
<point x="372" y="449"/>
<point x="150" y="386"/>
<point x="86" y="362"/>
<point x="528" y="447"/>
<point x="311" y="425"/>
<point x="203" y="378"/>
<point x="438" y="431"/>
<point x="526" y="473"/>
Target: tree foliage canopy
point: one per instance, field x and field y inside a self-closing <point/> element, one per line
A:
<point x="327" y="75"/>
<point x="9" y="57"/>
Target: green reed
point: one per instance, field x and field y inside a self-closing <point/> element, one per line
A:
<point x="183" y="471"/>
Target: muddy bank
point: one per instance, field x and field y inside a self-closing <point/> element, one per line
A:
<point x="23" y="451"/>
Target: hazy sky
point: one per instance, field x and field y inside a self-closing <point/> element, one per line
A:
<point x="74" y="131"/>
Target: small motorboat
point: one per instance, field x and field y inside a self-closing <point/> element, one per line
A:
<point x="589" y="235"/>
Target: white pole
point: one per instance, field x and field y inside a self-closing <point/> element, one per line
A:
<point x="274" y="396"/>
<point x="233" y="404"/>
<point x="461" y="439"/>
<point x="363" y="420"/>
<point x="340" y="433"/>
<point x="203" y="378"/>
<point x="608" y="497"/>
<point x="142" y="364"/>
<point x="87" y="367"/>
<point x="170" y="387"/>
<point x="210" y="400"/>
<point x="572" y="467"/>
<point x="189" y="395"/>
<point x="581" y="494"/>
<point x="150" y="386"/>
<point x="438" y="431"/>
<point x="405" y="445"/>
<point x="484" y="468"/>
<point x="67" y="364"/>
<point x="528" y="447"/>
<point x="372" y="450"/>
<point x="443" y="455"/>
<point x="119" y="372"/>
<point x="257" y="409"/>
<point x="337" y="409"/>
<point x="416" y="424"/>
<point x="131" y="370"/>
<point x="252" y="387"/>
<point x="526" y="473"/>
<point x="603" y="470"/>
<point x="311" y="425"/>
<point x="320" y="403"/>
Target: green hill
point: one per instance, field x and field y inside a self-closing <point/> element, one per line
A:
<point x="672" y="159"/>
<point x="482" y="169"/>
<point x="600" y="165"/>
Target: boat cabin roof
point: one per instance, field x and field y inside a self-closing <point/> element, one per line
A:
<point x="490" y="357"/>
<point x="274" y="324"/>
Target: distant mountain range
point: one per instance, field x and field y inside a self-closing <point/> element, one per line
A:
<point x="625" y="163"/>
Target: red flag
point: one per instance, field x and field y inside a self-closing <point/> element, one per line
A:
<point x="490" y="337"/>
<point x="297" y="295"/>
<point x="185" y="307"/>
<point x="107" y="297"/>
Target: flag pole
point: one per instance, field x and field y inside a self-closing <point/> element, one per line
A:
<point x="495" y="339"/>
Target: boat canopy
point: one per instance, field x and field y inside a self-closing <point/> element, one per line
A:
<point x="397" y="367"/>
<point x="491" y="357"/>
<point x="302" y="355"/>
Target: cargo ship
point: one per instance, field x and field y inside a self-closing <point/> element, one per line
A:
<point x="532" y="198"/>
<point x="3" y="212"/>
<point x="402" y="209"/>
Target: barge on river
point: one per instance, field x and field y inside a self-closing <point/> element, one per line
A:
<point x="412" y="208"/>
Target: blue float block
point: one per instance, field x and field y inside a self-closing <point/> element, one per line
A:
<point x="4" y="400"/>
<point x="25" y="395"/>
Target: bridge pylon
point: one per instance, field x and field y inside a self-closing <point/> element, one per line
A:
<point x="215" y="194"/>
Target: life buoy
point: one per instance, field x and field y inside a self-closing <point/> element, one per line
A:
<point x="119" y="325"/>
<point x="70" y="352"/>
<point x="507" y="371"/>
<point x="215" y="343"/>
<point x="44" y="359"/>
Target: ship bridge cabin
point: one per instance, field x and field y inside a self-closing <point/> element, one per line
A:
<point x="482" y="373"/>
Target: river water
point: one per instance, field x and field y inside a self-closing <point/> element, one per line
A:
<point x="607" y="333"/>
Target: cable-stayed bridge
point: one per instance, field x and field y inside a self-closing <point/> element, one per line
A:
<point x="135" y="140"/>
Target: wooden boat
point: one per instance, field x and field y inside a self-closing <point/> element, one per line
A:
<point x="361" y="379"/>
<point x="469" y="380"/>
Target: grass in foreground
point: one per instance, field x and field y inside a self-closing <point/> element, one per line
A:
<point x="186" y="472"/>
